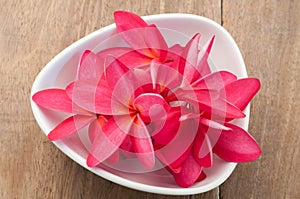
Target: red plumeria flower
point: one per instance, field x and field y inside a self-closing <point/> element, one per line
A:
<point x="235" y="95"/>
<point x="145" y="41"/>
<point x="128" y="95"/>
<point x="61" y="100"/>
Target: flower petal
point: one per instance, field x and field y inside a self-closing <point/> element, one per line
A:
<point x="180" y="160"/>
<point x="172" y="155"/>
<point x="221" y="109"/>
<point x="203" y="66"/>
<point x="203" y="149"/>
<point x="215" y="81"/>
<point x="93" y="65"/>
<point x="90" y="66"/>
<point x="212" y="102"/>
<point x="92" y="161"/>
<point x="127" y="148"/>
<point x="173" y="170"/>
<point x="114" y="71"/>
<point x="93" y="131"/>
<point x="55" y="99"/>
<point x="173" y="57"/>
<point x="236" y="145"/>
<point x="213" y="124"/>
<point x="164" y="76"/>
<point x="91" y="95"/>
<point x="93" y="128"/>
<point x="164" y="156"/>
<point x="201" y="177"/>
<point x="151" y="106"/>
<point x="127" y="56"/>
<point x="107" y="141"/>
<point x="190" y="172"/>
<point x="165" y="130"/>
<point x="127" y="21"/>
<point x="187" y="65"/>
<point x="70" y="126"/>
<point x="140" y="36"/>
<point x="142" y="144"/>
<point x="134" y="59"/>
<point x="241" y="92"/>
<point x="127" y="88"/>
<point x="99" y="97"/>
<point x="176" y="50"/>
<point x="124" y="85"/>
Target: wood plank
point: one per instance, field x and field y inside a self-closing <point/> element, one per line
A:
<point x="268" y="33"/>
<point x="31" y="33"/>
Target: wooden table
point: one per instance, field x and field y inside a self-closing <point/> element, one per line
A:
<point x="34" y="31"/>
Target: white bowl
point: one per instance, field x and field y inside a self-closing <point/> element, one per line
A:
<point x="62" y="69"/>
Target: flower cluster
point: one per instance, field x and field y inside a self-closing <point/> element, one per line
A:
<point x="157" y="103"/>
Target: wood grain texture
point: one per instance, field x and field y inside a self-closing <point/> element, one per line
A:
<point x="34" y="31"/>
<point x="268" y="34"/>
